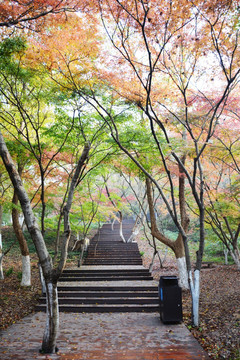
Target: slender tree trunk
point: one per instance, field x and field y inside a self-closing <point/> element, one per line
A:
<point x="180" y="254"/>
<point x="57" y="241"/>
<point x="36" y="235"/>
<point x="42" y="280"/>
<point x="195" y="283"/>
<point x="1" y="265"/>
<point x="26" y="271"/>
<point x="195" y="294"/>
<point x="112" y="223"/>
<point x="177" y="246"/>
<point x="42" y="200"/>
<point x="236" y="257"/>
<point x="121" y="226"/>
<point x="226" y="251"/>
<point x="52" y="319"/>
<point x="95" y="248"/>
<point x="84" y="248"/>
<point x="162" y="261"/>
<point x="119" y="211"/>
<point x="135" y="232"/>
<point x="50" y="275"/>
<point x="152" y="262"/>
<point x="155" y="252"/>
<point x="26" y="265"/>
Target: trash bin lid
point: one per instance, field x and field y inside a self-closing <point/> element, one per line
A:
<point x="170" y="280"/>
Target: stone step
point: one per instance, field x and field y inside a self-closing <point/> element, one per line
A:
<point x="116" y="254"/>
<point x="104" y="301"/>
<point x="116" y="259"/>
<point x="105" y="278"/>
<point x="107" y="294"/>
<point x="112" y="246"/>
<point x="106" y="274"/>
<point x="112" y="259"/>
<point x="122" y="258"/>
<point x="111" y="262"/>
<point x="105" y="271"/>
<point x="94" y="308"/>
<point x="114" y="251"/>
<point x="110" y="288"/>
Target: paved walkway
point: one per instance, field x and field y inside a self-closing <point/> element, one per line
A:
<point x="132" y="336"/>
<point x="103" y="336"/>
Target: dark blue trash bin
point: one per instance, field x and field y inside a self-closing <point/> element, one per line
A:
<point x="170" y="299"/>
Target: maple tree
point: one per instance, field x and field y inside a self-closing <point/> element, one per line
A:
<point x="153" y="50"/>
<point x="221" y="186"/>
<point x="13" y="51"/>
<point x="50" y="274"/>
<point x="20" y="88"/>
<point x="20" y="119"/>
<point x="38" y="134"/>
<point x="34" y="13"/>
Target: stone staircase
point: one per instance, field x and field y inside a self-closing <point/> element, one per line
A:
<point x="112" y="278"/>
<point x="107" y="248"/>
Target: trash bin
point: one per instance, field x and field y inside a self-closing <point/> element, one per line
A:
<point x="170" y="299"/>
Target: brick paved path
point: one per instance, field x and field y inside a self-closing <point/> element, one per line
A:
<point x="104" y="336"/>
<point x="132" y="336"/>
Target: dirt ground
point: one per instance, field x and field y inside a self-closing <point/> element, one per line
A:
<point x="219" y="331"/>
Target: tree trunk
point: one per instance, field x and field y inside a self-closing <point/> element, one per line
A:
<point x="26" y="265"/>
<point x="121" y="226"/>
<point x="162" y="261"/>
<point x="1" y="265"/>
<point x="235" y="254"/>
<point x="152" y="262"/>
<point x="179" y="252"/>
<point x="84" y="247"/>
<point x="135" y="232"/>
<point x="35" y="233"/>
<point x="182" y="273"/>
<point x="66" y="209"/>
<point x="42" y="199"/>
<point x="155" y="252"/>
<point x="226" y="251"/>
<point x="180" y="249"/>
<point x="50" y="275"/>
<point x="52" y="319"/>
<point x="177" y="246"/>
<point x="195" y="294"/>
<point x="112" y="223"/>
<point x="42" y="280"/>
<point x="119" y="211"/>
<point x="26" y="271"/>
